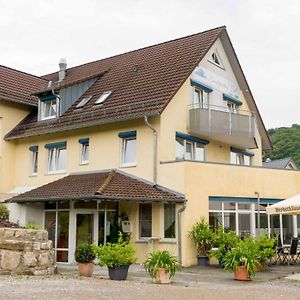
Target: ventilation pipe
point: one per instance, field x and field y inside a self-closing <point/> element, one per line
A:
<point x="154" y="149"/>
<point x="62" y="69"/>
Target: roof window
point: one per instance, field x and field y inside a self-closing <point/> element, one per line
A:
<point x="83" y="102"/>
<point x="103" y="97"/>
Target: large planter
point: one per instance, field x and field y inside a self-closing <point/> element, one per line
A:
<point x="118" y="273"/>
<point x="241" y="274"/>
<point x="86" y="269"/>
<point x="162" y="277"/>
<point x="203" y="261"/>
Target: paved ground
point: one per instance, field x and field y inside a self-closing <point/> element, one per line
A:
<point x="190" y="283"/>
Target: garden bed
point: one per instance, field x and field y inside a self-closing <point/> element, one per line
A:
<point x="7" y="224"/>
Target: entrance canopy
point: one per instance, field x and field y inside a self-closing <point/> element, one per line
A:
<point x="290" y="206"/>
<point x="110" y="185"/>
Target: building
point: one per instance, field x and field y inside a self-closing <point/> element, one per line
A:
<point x="284" y="163"/>
<point x="156" y="137"/>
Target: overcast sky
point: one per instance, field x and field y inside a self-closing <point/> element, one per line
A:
<point x="265" y="34"/>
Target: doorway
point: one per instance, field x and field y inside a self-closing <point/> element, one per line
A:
<point x="84" y="228"/>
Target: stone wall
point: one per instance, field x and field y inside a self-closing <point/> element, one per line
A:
<point x="25" y="251"/>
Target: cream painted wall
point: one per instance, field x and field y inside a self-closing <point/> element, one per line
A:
<point x="10" y="115"/>
<point x="210" y="179"/>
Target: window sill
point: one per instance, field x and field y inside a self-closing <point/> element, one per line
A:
<point x="83" y="163"/>
<point x="33" y="175"/>
<point x="141" y="242"/>
<point x="168" y="241"/>
<point x="56" y="172"/>
<point x="132" y="165"/>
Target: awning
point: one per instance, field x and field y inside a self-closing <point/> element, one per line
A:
<point x="290" y="206"/>
<point x="232" y="99"/>
<point x="111" y="185"/>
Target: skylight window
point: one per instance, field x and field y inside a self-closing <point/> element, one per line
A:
<point x="83" y="102"/>
<point x="103" y="97"/>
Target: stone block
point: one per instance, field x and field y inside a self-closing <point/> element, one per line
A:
<point x="37" y="246"/>
<point x="10" y="260"/>
<point x="20" y="234"/>
<point x="42" y="272"/>
<point x="44" y="259"/>
<point x="8" y="233"/>
<point x="29" y="259"/>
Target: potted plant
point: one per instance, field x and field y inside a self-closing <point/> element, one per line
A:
<point x="242" y="260"/>
<point x="222" y="243"/>
<point x="201" y="235"/>
<point x="117" y="257"/>
<point x="161" y="266"/>
<point x="84" y="256"/>
<point x="266" y="250"/>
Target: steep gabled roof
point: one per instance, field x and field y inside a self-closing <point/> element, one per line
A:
<point x="17" y="86"/>
<point x="142" y="82"/>
<point x="110" y="185"/>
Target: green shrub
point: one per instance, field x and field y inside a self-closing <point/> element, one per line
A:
<point x="4" y="213"/>
<point x="115" y="255"/>
<point x="84" y="253"/>
<point x="161" y="259"/>
<point x="201" y="235"/>
<point x="33" y="226"/>
<point x="224" y="242"/>
<point x="243" y="254"/>
<point x="266" y="248"/>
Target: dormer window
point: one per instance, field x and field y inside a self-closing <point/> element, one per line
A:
<point x="49" y="109"/>
<point x="103" y="97"/>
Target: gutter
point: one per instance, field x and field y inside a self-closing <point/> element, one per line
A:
<point x="179" y="220"/>
<point x="154" y="149"/>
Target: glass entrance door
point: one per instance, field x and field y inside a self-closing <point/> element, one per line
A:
<point x="84" y="228"/>
<point x="108" y="229"/>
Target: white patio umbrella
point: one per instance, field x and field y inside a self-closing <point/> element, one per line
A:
<point x="290" y="206"/>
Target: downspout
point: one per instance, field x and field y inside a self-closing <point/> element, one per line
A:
<point x="154" y="149"/>
<point x="179" y="220"/>
<point x="57" y="96"/>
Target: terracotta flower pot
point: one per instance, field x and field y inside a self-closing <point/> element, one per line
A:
<point x="86" y="269"/>
<point x="162" y="277"/>
<point x="241" y="274"/>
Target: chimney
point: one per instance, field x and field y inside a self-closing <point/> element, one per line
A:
<point x="62" y="69"/>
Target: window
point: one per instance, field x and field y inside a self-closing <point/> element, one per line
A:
<point x="103" y="97"/>
<point x="57" y="157"/>
<point x="34" y="159"/>
<point x="200" y="99"/>
<point x="189" y="150"/>
<point x="49" y="109"/>
<point x="84" y="155"/>
<point x="83" y="102"/>
<point x="232" y="107"/>
<point x="145" y="220"/>
<point x="128" y="148"/>
<point x="169" y="220"/>
<point x="216" y="59"/>
<point x="240" y="158"/>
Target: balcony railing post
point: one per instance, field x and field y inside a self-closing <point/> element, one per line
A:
<point x="230" y="122"/>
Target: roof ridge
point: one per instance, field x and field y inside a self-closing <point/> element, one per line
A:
<point x="26" y="73"/>
<point x="106" y="182"/>
<point x="146" y="47"/>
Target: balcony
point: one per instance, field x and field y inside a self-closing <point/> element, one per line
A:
<point x="236" y="128"/>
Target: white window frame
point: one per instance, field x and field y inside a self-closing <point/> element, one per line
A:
<point x="34" y="162"/>
<point x="204" y="101"/>
<point x="103" y="97"/>
<point x="85" y="148"/>
<point x="123" y="150"/>
<point x="55" y="152"/>
<point x="235" y="156"/>
<point x="162" y="227"/>
<point x="211" y="59"/>
<point x="194" y="145"/>
<point x="43" y="109"/>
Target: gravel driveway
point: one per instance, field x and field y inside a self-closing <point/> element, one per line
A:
<point x="190" y="283"/>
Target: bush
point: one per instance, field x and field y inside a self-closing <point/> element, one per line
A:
<point x="224" y="242"/>
<point x="266" y="248"/>
<point x="4" y="213"/>
<point x="84" y="253"/>
<point x="202" y="236"/>
<point x="161" y="259"/>
<point x="34" y="226"/>
<point x="115" y="255"/>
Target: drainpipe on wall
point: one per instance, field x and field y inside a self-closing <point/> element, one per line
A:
<point x="154" y="149"/>
<point x="179" y="219"/>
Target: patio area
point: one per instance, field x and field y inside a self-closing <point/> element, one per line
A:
<point x="189" y="283"/>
